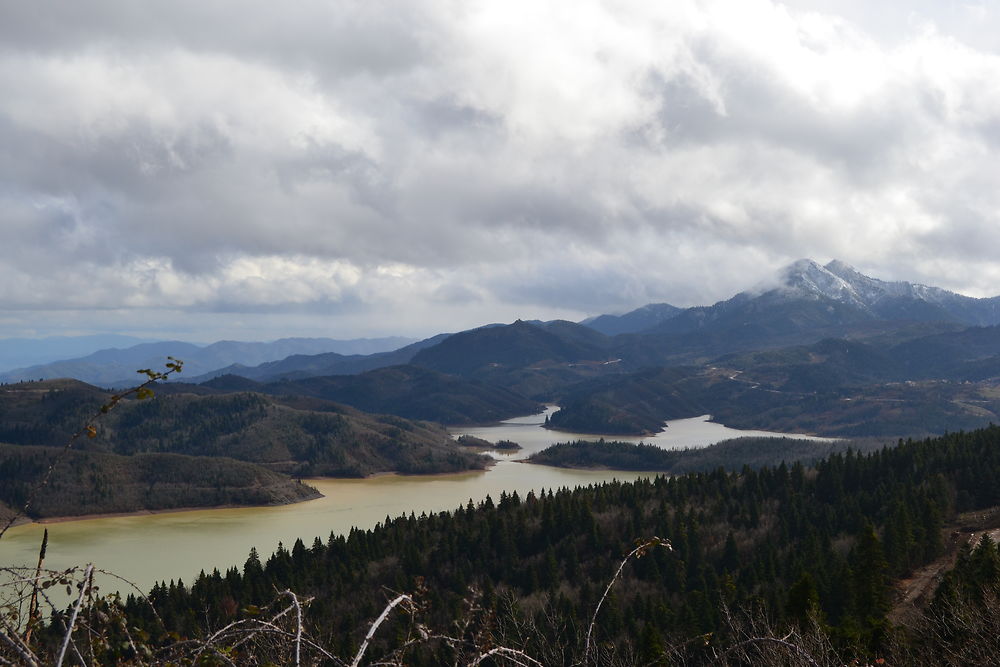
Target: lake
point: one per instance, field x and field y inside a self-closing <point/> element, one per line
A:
<point x="149" y="547"/>
<point x="678" y="434"/>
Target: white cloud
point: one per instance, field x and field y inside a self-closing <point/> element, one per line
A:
<point x="379" y="163"/>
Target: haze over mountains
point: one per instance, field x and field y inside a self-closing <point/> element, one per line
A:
<point x="330" y="363"/>
<point x="117" y="366"/>
<point x="23" y="352"/>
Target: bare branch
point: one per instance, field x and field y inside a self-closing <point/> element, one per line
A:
<point x="638" y="552"/>
<point x="506" y="653"/>
<point x="378" y="621"/>
<point x="791" y="646"/>
<point x="19" y="647"/>
<point x="84" y="586"/>
<point x="298" y="626"/>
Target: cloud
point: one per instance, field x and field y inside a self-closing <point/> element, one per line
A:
<point x="362" y="160"/>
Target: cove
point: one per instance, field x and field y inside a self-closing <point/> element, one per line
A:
<point x="152" y="547"/>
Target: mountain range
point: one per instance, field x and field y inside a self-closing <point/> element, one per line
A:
<point x="115" y="367"/>
<point x="839" y="294"/>
<point x="805" y="303"/>
<point x="812" y="329"/>
<point x="821" y="349"/>
<point x="24" y="352"/>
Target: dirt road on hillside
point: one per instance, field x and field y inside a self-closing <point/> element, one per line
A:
<point x="913" y="593"/>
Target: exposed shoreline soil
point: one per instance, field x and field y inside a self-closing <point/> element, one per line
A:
<point x="306" y="480"/>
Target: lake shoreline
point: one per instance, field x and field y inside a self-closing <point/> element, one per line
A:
<point x="641" y="434"/>
<point x="149" y="546"/>
<point x="175" y="510"/>
<point x="596" y="468"/>
<point x="403" y="475"/>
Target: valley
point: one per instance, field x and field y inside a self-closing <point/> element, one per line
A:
<point x="500" y="334"/>
<point x="907" y="361"/>
<point x="829" y="375"/>
<point x="182" y="544"/>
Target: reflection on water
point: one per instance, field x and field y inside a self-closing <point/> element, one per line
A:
<point x="147" y="548"/>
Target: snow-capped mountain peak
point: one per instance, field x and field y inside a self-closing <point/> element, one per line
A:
<point x="809" y="277"/>
<point x="886" y="299"/>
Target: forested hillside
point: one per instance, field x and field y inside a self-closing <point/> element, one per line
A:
<point x="97" y="483"/>
<point x="300" y="435"/>
<point x="833" y="388"/>
<point x="513" y="346"/>
<point x="797" y="545"/>
<point x="730" y="455"/>
<point x="406" y="391"/>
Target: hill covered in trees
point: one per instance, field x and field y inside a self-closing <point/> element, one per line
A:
<point x="189" y="450"/>
<point x="839" y="388"/>
<point x="511" y="346"/>
<point x="407" y="391"/>
<point x="97" y="482"/>
<point x="796" y="546"/>
<point x="298" y="435"/>
<point x="731" y="455"/>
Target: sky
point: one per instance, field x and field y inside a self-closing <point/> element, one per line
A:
<point x="253" y="170"/>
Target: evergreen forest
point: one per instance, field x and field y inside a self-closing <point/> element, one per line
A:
<point x="811" y="556"/>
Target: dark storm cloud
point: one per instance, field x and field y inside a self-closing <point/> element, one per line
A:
<point x="444" y="159"/>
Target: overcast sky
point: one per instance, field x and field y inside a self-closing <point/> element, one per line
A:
<point x="254" y="170"/>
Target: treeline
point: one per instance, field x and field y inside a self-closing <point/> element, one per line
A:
<point x="730" y="455"/>
<point x="803" y="545"/>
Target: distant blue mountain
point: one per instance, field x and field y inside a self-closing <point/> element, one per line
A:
<point x="299" y="366"/>
<point x="116" y="367"/>
<point x="23" y="352"/>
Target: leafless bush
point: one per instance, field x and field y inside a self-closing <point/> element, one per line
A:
<point x="955" y="631"/>
<point x="81" y="624"/>
<point x="754" y="640"/>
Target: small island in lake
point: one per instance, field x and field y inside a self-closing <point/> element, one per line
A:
<point x="730" y="455"/>
<point x="473" y="442"/>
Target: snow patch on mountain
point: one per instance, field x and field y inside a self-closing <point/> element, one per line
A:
<point x="807" y="276"/>
<point x="885" y="299"/>
<point x="871" y="290"/>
